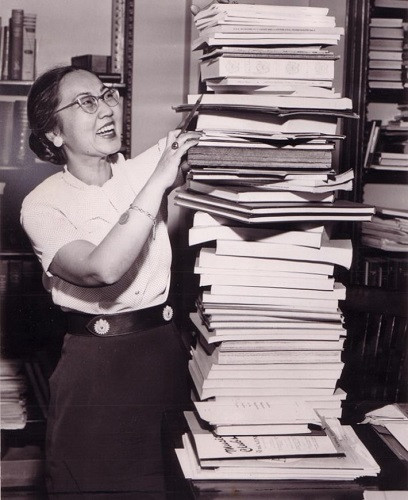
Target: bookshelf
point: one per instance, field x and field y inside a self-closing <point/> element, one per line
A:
<point x="31" y="326"/>
<point x="376" y="303"/>
<point x="381" y="260"/>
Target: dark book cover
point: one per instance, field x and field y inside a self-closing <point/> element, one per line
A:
<point x="6" y="131"/>
<point x="92" y="62"/>
<point x="5" y="53"/>
<point x="16" y="44"/>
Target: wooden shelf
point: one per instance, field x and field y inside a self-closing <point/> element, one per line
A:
<point x="14" y="88"/>
<point x="15" y="253"/>
<point x="25" y="83"/>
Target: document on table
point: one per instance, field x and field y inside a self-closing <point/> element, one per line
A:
<point x="399" y="431"/>
<point x="385" y="495"/>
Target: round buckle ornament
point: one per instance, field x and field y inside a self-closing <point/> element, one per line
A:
<point x="101" y="327"/>
<point x="168" y="313"/>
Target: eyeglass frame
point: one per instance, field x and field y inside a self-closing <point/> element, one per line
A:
<point x="98" y="98"/>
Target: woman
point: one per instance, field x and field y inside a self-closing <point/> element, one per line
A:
<point x="99" y="230"/>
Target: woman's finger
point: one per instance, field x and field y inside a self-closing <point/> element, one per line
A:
<point x="195" y="9"/>
<point x="184" y="138"/>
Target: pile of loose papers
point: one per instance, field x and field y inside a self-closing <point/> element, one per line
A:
<point x="332" y="453"/>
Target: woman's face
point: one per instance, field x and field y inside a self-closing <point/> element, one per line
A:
<point x="84" y="134"/>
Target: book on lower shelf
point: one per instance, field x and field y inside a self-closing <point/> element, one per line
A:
<point x="14" y="134"/>
<point x="6" y="131"/>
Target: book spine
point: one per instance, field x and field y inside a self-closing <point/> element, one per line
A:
<point x="15" y="276"/>
<point x="1" y="46"/>
<point x="32" y="276"/>
<point x="374" y="272"/>
<point x="269" y="68"/>
<point x="96" y="63"/>
<point x="377" y="32"/>
<point x="6" y="53"/>
<point x="3" y="275"/>
<point x="6" y="131"/>
<point x="253" y="153"/>
<point x="385" y="74"/>
<point x="21" y="132"/>
<point x="28" y="57"/>
<point x="16" y="44"/>
<point x="118" y="36"/>
<point x="2" y="187"/>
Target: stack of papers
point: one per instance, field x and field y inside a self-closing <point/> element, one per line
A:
<point x="13" y="386"/>
<point x="388" y="230"/>
<point x="334" y="453"/>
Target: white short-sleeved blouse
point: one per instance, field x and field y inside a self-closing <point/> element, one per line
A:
<point x="63" y="209"/>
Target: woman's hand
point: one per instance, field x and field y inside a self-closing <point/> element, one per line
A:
<point x="168" y="166"/>
<point x="203" y="4"/>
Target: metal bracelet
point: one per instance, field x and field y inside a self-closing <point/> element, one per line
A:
<point x="147" y="214"/>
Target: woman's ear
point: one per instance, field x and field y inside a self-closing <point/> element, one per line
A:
<point x="55" y="138"/>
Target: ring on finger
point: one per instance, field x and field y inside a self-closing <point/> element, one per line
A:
<point x="175" y="145"/>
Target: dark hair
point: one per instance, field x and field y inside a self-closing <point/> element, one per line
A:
<point x="42" y="102"/>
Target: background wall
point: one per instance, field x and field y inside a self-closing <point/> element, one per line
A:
<point x="160" y="68"/>
<point x="83" y="28"/>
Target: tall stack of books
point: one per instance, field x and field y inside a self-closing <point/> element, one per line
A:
<point x="269" y="329"/>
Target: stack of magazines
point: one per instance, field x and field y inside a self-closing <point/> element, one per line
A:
<point x="270" y="333"/>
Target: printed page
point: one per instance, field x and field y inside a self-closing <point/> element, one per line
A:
<point x="211" y="446"/>
<point x="399" y="431"/>
<point x="256" y="412"/>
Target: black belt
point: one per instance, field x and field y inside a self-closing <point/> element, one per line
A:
<point x="110" y="325"/>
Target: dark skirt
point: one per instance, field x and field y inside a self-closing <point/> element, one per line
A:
<point x="107" y="400"/>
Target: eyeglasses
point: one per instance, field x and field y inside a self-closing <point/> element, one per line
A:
<point x="90" y="103"/>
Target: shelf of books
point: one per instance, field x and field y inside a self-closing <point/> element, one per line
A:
<point x="21" y="417"/>
<point x="384" y="259"/>
<point x="264" y="196"/>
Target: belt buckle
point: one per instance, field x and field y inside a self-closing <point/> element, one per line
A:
<point x="167" y="313"/>
<point x="101" y="327"/>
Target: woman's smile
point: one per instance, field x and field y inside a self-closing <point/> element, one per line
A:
<point x="107" y="131"/>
